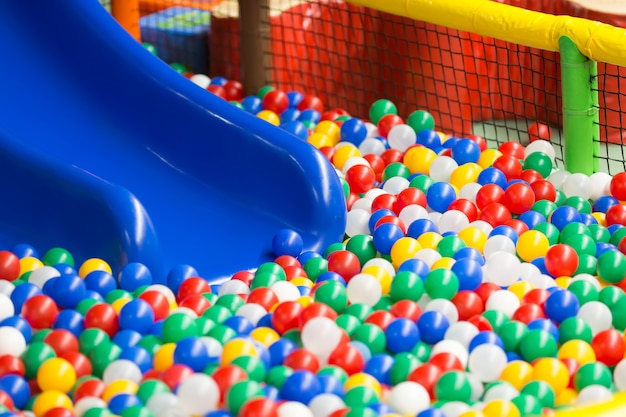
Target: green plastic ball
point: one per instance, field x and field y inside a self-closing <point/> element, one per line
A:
<point x="363" y="247"/>
<point x="404" y="364"/>
<point x="178" y="327"/>
<point x="381" y="108"/>
<point x="539" y="162"/>
<point x="612" y="266"/>
<point x="537" y="344"/>
<point x="453" y="386"/>
<point x="277" y="376"/>
<point x="240" y="392"/>
<point x="441" y="283"/>
<point x="34" y="356"/>
<point x="421" y="120"/>
<point x="371" y="336"/>
<point x="592" y="373"/>
<point x="422" y="183"/>
<point x="574" y="328"/>
<point x="333" y="294"/>
<point x="57" y="256"/>
<point x="512" y="333"/>
<point x="406" y="285"/>
<point x="540" y="390"/>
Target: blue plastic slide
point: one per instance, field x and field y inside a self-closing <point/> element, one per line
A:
<point x="107" y="152"/>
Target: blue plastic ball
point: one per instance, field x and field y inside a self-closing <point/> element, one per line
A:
<point x="287" y="242"/>
<point x="428" y="138"/>
<point x="331" y="385"/>
<point x="69" y="290"/>
<point x="296" y="128"/>
<point x="545" y="325"/>
<point x="266" y="321"/>
<point x="20" y="324"/>
<point x="23" y="292"/>
<point x="588" y="219"/>
<point x="440" y="195"/>
<point x="379" y="366"/>
<point x="420" y="226"/>
<point x="385" y="236"/>
<point x="289" y="115"/>
<point x="100" y="281"/>
<point x="465" y="151"/>
<point x="505" y="230"/>
<point x="307" y="256"/>
<point x="353" y="131"/>
<point x="65" y="269"/>
<point x="178" y="274"/>
<point x="402" y="335"/>
<point x="192" y="352"/>
<point x="469" y="273"/>
<point x="121" y="402"/>
<point x="138" y="355"/>
<point x="70" y="320"/>
<point x="240" y="324"/>
<point x="219" y="81"/>
<point x="532" y="218"/>
<point x="485" y="337"/>
<point x="218" y="413"/>
<point x="492" y="175"/>
<point x="310" y="115"/>
<point x="133" y="276"/>
<point x="564" y="215"/>
<point x="279" y="350"/>
<point x="603" y="203"/>
<point x="127" y="338"/>
<point x="294" y="97"/>
<point x="602" y="247"/>
<point x="376" y="216"/>
<point x="94" y="295"/>
<point x="157" y="328"/>
<point x="561" y="305"/>
<point x="17" y="388"/>
<point x="252" y="104"/>
<point x="469" y="253"/>
<point x="540" y="263"/>
<point x="301" y="386"/>
<point x="432" y="326"/>
<point x="48" y="287"/>
<point x="417" y="266"/>
<point x="431" y="412"/>
<point x="136" y="315"/>
<point x="330" y="276"/>
<point x="381" y="409"/>
<point x="448" y="144"/>
<point x="23" y="250"/>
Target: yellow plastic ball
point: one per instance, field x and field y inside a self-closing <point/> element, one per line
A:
<point x="517" y="373"/>
<point x="119" y="303"/>
<point x="488" y="157"/>
<point x="464" y="174"/>
<point x="269" y="116"/>
<point x="305" y="300"/>
<point x="343" y="153"/>
<point x="302" y="282"/>
<point x="473" y="237"/>
<point x="93" y="264"/>
<point x="236" y="348"/>
<point x="330" y="129"/>
<point x="472" y="413"/>
<point x="443" y="263"/>
<point x="28" y="264"/>
<point x="429" y="240"/>
<point x="363" y="380"/>
<point x="119" y="386"/>
<point x="563" y="282"/>
<point x="521" y="288"/>
<point x="48" y="400"/>
<point x="56" y="374"/>
<point x="265" y="336"/>
<point x="567" y="397"/>
<point x="501" y="408"/>
<point x="403" y="249"/>
<point x="163" y="359"/>
<point x="531" y="245"/>
<point x="418" y="159"/>
<point x="578" y="350"/>
<point x="552" y="371"/>
<point x="172" y="304"/>
<point x="381" y="275"/>
<point x="319" y="140"/>
<point x="600" y="218"/>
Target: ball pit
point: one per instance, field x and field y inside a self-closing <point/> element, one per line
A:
<point x="471" y="282"/>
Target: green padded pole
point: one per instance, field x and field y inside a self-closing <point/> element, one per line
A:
<point x="580" y="109"/>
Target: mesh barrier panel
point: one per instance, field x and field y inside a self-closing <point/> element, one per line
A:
<point x="350" y="56"/>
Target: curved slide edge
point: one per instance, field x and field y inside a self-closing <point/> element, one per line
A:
<point x="215" y="182"/>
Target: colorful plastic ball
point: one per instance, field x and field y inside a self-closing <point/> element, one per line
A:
<point x="198" y="394"/>
<point x="301" y="386"/>
<point x="287" y="242"/>
<point x="440" y="195"/>
<point x="561" y="260"/>
<point x="136" y="315"/>
<point x="561" y="305"/>
<point x="192" y="352"/>
<point x="17" y="388"/>
<point x="593" y="373"/>
<point x="49" y="400"/>
<point x="536" y="344"/>
<point x="402" y="335"/>
<point x="68" y="290"/>
<point x="70" y="320"/>
<point x="432" y="326"/>
<point x="609" y="346"/>
<point x="134" y="275"/>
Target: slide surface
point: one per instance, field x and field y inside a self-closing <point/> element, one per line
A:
<point x="107" y="152"/>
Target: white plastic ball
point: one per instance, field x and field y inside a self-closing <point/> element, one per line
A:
<point x="6" y="288"/>
<point x="185" y="310"/>
<point x="498" y="243"/>
<point x="462" y="332"/>
<point x="601" y="184"/>
<point x="323" y="405"/>
<point x="529" y="272"/>
<point x="409" y="398"/>
<point x="445" y="307"/>
<point x="423" y="301"/>
<point x="454" y="408"/>
<point x="395" y="185"/>
<point x="543" y="146"/>
<point x="469" y="191"/>
<point x="294" y="408"/>
<point x="428" y="255"/>
<point x="383" y="263"/>
<point x="483" y="226"/>
<point x="200" y="80"/>
<point x="121" y="369"/>
<point x="619" y="375"/>
<point x="172" y="412"/>
<point x="411" y="213"/>
<point x="362" y="204"/>
<point x="501" y="391"/>
<point x="441" y="168"/>
<point x="357" y="222"/>
<point x="597" y="315"/>
<point x="373" y="193"/>
<point x="452" y="347"/>
<point x="233" y="286"/>
<point x="364" y="288"/>
<point x="452" y="221"/>
<point x="166" y="291"/>
<point x="502" y="268"/>
<point x="253" y="312"/>
<point x="487" y="361"/>
<point x="503" y="301"/>
<point x="87" y="403"/>
<point x="162" y="401"/>
<point x="372" y="130"/>
<point x="578" y="185"/>
<point x="41" y="275"/>
<point x="198" y="394"/>
<point x="12" y="341"/>
<point x="7" y="309"/>
<point x="214" y="347"/>
<point x="353" y="161"/>
<point x="401" y="137"/>
<point x="434" y="216"/>
<point x="478" y="388"/>
<point x="285" y="291"/>
<point x="320" y="336"/>
<point x="588" y="278"/>
<point x="594" y="394"/>
<point x="558" y="178"/>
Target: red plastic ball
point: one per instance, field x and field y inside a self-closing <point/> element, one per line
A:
<point x="572" y="367"/>
<point x="263" y="297"/>
<point x="380" y="319"/>
<point x="233" y="90"/>
<point x="617" y="187"/>
<point x="407" y="197"/>
<point x="485" y="290"/>
<point x="517" y="225"/>
<point x="244" y="276"/>
<point x="217" y="90"/>
<point x="333" y="114"/>
<point x="481" y="323"/>
<point x="195" y="303"/>
<point x="616" y="215"/>
<point x="377" y="163"/>
<point x="284" y="261"/>
<point x="40" y="311"/>
<point x="61" y="341"/>
<point x="392" y="155"/>
<point x="89" y="388"/>
<point x="159" y="303"/>
<point x="286" y="316"/>
<point x="259" y="407"/>
<point x="192" y="286"/>
<point x="80" y="363"/>
<point x="345" y="263"/>
<point x="103" y="317"/>
<point x="406" y="308"/>
<point x="530" y="176"/>
<point x="311" y="102"/>
<point x="226" y="376"/>
<point x="468" y="304"/>
<point x="292" y="272"/>
<point x="513" y="149"/>
<point x="528" y="312"/>
<point x="58" y="412"/>
<point x="509" y="165"/>
<point x="314" y="310"/>
<point x="482" y="143"/>
<point x="496" y="214"/>
<point x="384" y="202"/>
<point x="302" y="360"/>
<point x="544" y="190"/>
<point x="339" y="413"/>
<point x="488" y="194"/>
<point x="6" y="400"/>
<point x="539" y="131"/>
<point x="9" y="266"/>
<point x="393" y="220"/>
<point x="387" y="122"/>
<point x="175" y="374"/>
<point x="360" y="178"/>
<point x="518" y="198"/>
<point x="446" y="361"/>
<point x="328" y="152"/>
<point x="536" y="296"/>
<point x="11" y="365"/>
<point x="276" y="101"/>
<point x="348" y="358"/>
<point x="609" y="346"/>
<point x="561" y="260"/>
<point x="352" y="198"/>
<point x="427" y="376"/>
<point x="466" y="207"/>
